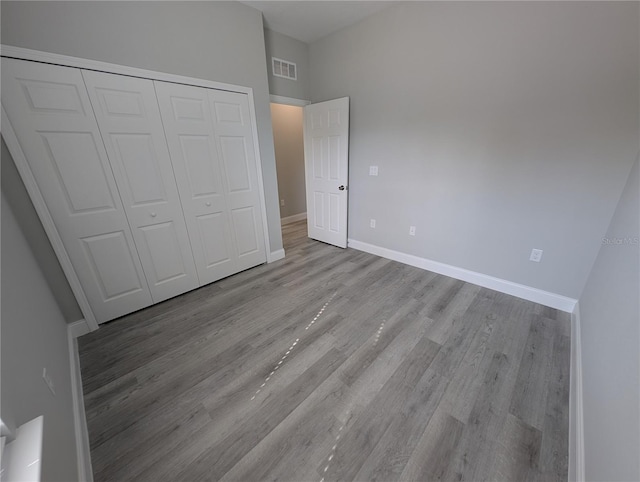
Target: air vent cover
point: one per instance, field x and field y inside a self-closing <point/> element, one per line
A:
<point x="284" y="68"/>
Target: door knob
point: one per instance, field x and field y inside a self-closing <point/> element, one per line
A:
<point x="341" y="188"/>
<point x="153" y="215"/>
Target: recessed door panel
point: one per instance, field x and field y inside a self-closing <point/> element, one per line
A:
<point x="202" y="165"/>
<point x="127" y="112"/>
<point x="228" y="113"/>
<point x="234" y="156"/>
<point x="317" y="157"/>
<point x="51" y="97"/>
<point x="334" y="158"/>
<point x="137" y="155"/>
<point x="188" y="109"/>
<point x="164" y="248"/>
<point x="244" y="223"/>
<point x="335" y="117"/>
<point x="79" y="171"/>
<point x="112" y="262"/>
<point x="318" y="210"/>
<point x="334" y="212"/>
<point x="317" y="120"/>
<point x="120" y="103"/>
<point x="53" y="120"/>
<point x="214" y="237"/>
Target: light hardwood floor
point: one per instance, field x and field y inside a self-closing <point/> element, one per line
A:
<point x="330" y="365"/>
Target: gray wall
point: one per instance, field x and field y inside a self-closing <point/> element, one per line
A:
<point x="497" y="127"/>
<point x="219" y="41"/>
<point x="289" y="145"/>
<point x="34" y="336"/>
<point x="16" y="195"/>
<point x="609" y="322"/>
<point x="287" y="48"/>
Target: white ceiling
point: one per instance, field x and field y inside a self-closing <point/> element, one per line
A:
<point x="310" y="20"/>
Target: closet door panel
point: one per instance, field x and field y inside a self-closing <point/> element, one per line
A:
<point x="51" y="115"/>
<point x="115" y="279"/>
<point x="188" y="124"/>
<point x="232" y="126"/>
<point x="213" y="230"/>
<point x="127" y="112"/>
<point x="244" y="223"/>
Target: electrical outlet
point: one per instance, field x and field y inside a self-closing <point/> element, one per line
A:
<point x="412" y="230"/>
<point x="373" y="170"/>
<point x="49" y="381"/>
<point x="281" y="202"/>
<point x="372" y="223"/>
<point x="536" y="255"/>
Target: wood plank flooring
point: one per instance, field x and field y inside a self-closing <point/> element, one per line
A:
<point x="330" y="365"/>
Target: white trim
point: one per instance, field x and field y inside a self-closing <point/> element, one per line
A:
<point x="83" y="451"/>
<point x="79" y="328"/>
<point x="47" y="221"/>
<point x="293" y="219"/>
<point x="256" y="152"/>
<point x="29" y="180"/>
<point x="279" y="99"/>
<point x="576" y="414"/>
<point x="276" y="256"/>
<point x="508" y="287"/>
<point x="87" y="64"/>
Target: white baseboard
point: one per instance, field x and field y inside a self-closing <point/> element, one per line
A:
<point x="275" y="256"/>
<point x="293" y="219"/>
<point x="576" y="417"/>
<point x="79" y="328"/>
<point x="545" y="298"/>
<point x="83" y="452"/>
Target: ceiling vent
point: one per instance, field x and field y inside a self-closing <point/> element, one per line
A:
<point x="283" y="68"/>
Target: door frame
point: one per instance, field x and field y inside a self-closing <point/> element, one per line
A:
<point x="29" y="180"/>
<point x="282" y="100"/>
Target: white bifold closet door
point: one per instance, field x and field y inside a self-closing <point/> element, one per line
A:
<point x="127" y="113"/>
<point x="51" y="115"/>
<point x="211" y="145"/>
<point x="152" y="186"/>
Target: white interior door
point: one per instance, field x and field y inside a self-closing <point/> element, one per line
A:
<point x="51" y="114"/>
<point x="326" y="159"/>
<point x="127" y="112"/>
<point x="209" y="138"/>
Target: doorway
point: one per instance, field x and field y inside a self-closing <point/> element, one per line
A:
<point x="288" y="141"/>
<point x="316" y="139"/>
